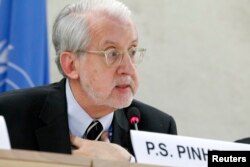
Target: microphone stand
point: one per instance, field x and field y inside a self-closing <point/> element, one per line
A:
<point x="135" y="124"/>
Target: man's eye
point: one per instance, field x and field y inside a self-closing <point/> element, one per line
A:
<point x="113" y="53"/>
<point x="132" y="52"/>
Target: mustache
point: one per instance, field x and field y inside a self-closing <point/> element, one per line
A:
<point x="126" y="80"/>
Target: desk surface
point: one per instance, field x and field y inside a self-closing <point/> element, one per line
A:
<point x="24" y="158"/>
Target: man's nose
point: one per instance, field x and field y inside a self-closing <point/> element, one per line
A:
<point x="126" y="66"/>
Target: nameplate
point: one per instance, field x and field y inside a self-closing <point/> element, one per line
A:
<point x="172" y="150"/>
<point x="4" y="139"/>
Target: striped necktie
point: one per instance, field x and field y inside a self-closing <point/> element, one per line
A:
<point x="94" y="130"/>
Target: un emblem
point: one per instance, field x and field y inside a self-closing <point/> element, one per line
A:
<point x="5" y="65"/>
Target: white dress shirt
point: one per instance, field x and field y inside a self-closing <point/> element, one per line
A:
<point x="79" y="119"/>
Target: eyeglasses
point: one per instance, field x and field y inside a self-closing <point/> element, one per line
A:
<point x="114" y="57"/>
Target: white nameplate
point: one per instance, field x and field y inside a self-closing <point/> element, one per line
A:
<point x="4" y="137"/>
<point x="172" y="150"/>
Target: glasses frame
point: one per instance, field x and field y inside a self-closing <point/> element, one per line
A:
<point x="105" y="54"/>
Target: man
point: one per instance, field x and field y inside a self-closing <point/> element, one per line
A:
<point x="97" y="51"/>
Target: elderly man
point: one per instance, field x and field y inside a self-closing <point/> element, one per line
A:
<point x="98" y="51"/>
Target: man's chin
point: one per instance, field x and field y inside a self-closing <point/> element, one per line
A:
<point x="122" y="103"/>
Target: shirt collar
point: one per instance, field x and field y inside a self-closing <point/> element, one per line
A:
<point x="78" y="118"/>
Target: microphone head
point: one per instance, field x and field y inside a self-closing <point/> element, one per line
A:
<point x="133" y="115"/>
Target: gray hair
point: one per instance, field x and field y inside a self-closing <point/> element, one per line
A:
<point x="71" y="30"/>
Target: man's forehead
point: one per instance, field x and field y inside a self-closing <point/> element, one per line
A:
<point x="107" y="28"/>
<point x="94" y="17"/>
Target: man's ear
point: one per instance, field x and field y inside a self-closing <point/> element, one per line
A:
<point x="68" y="62"/>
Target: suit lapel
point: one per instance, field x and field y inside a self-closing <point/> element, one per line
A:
<point x="121" y="131"/>
<point x="54" y="135"/>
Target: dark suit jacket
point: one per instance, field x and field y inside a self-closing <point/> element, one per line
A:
<point x="37" y="119"/>
<point x="244" y="140"/>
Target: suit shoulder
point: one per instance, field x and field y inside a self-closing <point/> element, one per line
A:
<point x="27" y="96"/>
<point x="155" y="120"/>
<point x="148" y="109"/>
<point x="35" y="91"/>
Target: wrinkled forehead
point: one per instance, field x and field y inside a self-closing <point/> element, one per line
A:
<point x="103" y="25"/>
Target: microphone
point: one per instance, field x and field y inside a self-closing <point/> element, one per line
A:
<point x="133" y="115"/>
